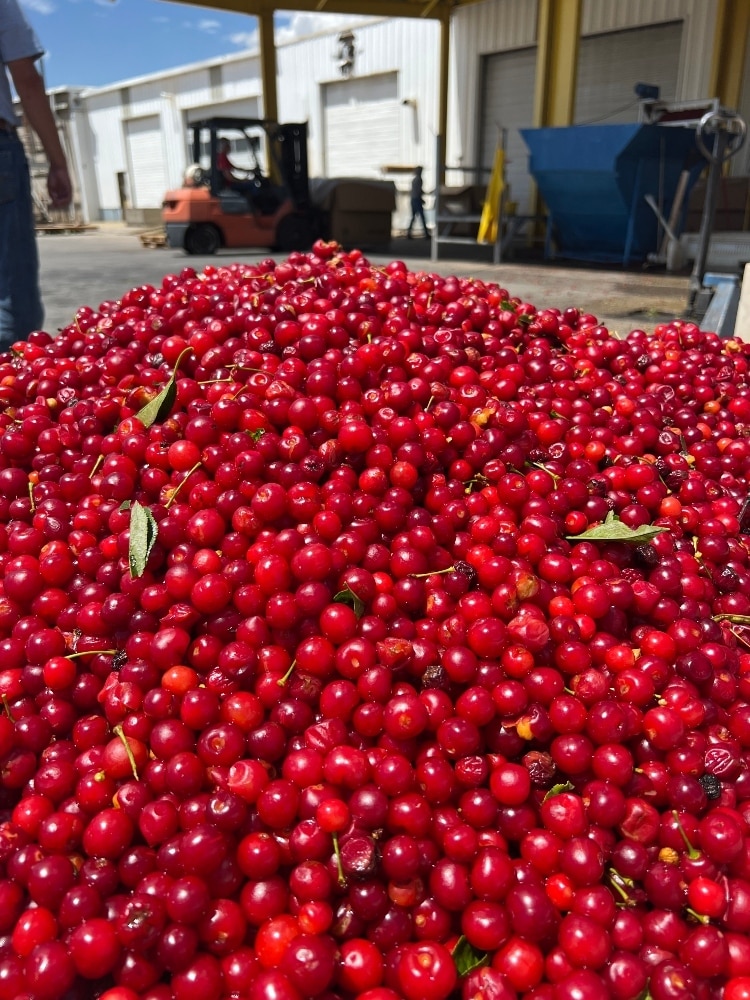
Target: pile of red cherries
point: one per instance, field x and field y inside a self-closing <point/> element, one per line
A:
<point x="372" y="634"/>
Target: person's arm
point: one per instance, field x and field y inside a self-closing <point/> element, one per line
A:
<point x="30" y="89"/>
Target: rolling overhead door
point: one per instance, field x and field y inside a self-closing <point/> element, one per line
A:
<point x="362" y="125"/>
<point x="508" y="103"/>
<point x="610" y="65"/>
<point x="146" y="161"/>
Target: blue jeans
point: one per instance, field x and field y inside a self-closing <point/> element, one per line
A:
<point x="21" y="308"/>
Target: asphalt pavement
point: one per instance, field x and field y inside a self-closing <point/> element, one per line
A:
<point x="89" y="267"/>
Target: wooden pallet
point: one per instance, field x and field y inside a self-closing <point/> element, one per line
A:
<point x="63" y="227"/>
<point x="153" y="238"/>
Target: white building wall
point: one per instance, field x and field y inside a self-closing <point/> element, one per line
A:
<point x="408" y="47"/>
<point x="175" y="97"/>
<point x="83" y="155"/>
<point x="503" y="25"/>
<point x="108" y="149"/>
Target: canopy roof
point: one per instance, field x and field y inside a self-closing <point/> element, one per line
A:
<point x="379" y="8"/>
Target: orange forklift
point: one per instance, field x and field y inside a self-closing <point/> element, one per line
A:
<point x="268" y="212"/>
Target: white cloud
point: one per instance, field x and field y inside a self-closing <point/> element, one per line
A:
<point x="302" y="24"/>
<point x="39" y="6"/>
<point x="208" y="25"/>
<point x="244" y="39"/>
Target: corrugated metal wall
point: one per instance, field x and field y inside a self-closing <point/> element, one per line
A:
<point x="502" y="25"/>
<point x="407" y="47"/>
<point x="697" y="39"/>
<point x="105" y="124"/>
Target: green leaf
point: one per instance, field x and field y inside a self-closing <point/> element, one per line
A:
<point x="160" y="406"/>
<point x="467" y="958"/>
<point x="564" y="786"/>
<point x="615" y="530"/>
<point x="143" y="532"/>
<point x="257" y="435"/>
<point x="347" y="596"/>
<point x="125" y="505"/>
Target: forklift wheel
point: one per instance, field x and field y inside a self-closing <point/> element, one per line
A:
<point x="294" y="232"/>
<point x="204" y="240"/>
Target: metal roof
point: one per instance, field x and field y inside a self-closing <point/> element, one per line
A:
<point x="379" y="8"/>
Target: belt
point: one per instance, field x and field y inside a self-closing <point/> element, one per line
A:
<point x="6" y="128"/>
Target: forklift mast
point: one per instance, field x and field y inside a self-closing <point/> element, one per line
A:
<point x="292" y="155"/>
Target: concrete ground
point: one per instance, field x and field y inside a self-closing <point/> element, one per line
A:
<point x="88" y="267"/>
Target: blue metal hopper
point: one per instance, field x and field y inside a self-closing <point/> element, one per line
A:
<point x="594" y="179"/>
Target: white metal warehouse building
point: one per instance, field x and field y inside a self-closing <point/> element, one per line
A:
<point x="128" y="141"/>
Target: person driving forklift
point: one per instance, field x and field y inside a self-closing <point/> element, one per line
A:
<point x="226" y="168"/>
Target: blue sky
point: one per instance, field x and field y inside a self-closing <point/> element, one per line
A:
<point x="96" y="42"/>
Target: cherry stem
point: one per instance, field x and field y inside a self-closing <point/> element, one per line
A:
<point x="540" y="465"/>
<point x="128" y="751"/>
<point x="339" y="865"/>
<point x="179" y="486"/>
<point x="697" y="916"/>
<point x="691" y="851"/>
<point x="6" y="706"/>
<point x="283" y="680"/>
<point x="180" y="356"/>
<point x="31" y="496"/>
<point x="97" y="463"/>
<point x="433" y="572"/>
<point x="91" y="652"/>
<point x="733" y="619"/>
<point x="740" y="638"/>
<point x="618" y="884"/>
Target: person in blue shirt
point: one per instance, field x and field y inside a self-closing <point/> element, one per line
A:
<point x="21" y="309"/>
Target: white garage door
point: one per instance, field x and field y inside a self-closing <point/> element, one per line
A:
<point x="610" y="65"/>
<point x="508" y="103"/>
<point x="362" y="126"/>
<point x="146" y="159"/>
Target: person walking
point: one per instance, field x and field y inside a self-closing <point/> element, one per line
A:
<point x="21" y="309"/>
<point x="417" y="204"/>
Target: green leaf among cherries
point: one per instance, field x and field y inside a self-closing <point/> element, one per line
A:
<point x="159" y="408"/>
<point x="467" y="957"/>
<point x="143" y="532"/>
<point x="347" y="596"/>
<point x="612" y="529"/>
